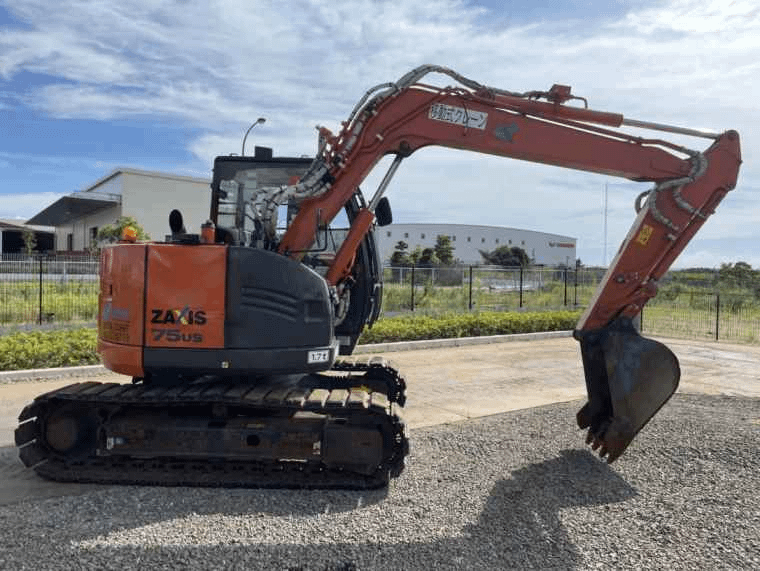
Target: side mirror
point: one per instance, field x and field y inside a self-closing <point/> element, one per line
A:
<point x="383" y="213"/>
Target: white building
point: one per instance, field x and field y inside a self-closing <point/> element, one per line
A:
<point x="542" y="248"/>
<point x="145" y="195"/>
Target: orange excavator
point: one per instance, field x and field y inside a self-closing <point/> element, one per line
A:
<point x="234" y="336"/>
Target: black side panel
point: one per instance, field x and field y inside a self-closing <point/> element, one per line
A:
<point x="274" y="302"/>
<point x="165" y="365"/>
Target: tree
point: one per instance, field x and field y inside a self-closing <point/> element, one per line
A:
<point x="444" y="251"/>
<point x="30" y="240"/>
<point x="739" y="275"/>
<point x="414" y="257"/>
<point x="400" y="257"/>
<point x="506" y="256"/>
<point x="111" y="233"/>
<point x="428" y="258"/>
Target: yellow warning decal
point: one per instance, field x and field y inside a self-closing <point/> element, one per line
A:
<point x="645" y="234"/>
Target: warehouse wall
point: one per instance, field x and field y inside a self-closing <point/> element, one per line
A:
<point x="149" y="199"/>
<point x="543" y="248"/>
<point x="82" y="229"/>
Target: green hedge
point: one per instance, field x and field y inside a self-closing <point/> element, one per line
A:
<point x="416" y="327"/>
<point x="40" y="349"/>
<point x="71" y="347"/>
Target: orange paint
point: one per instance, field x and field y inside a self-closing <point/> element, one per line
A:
<point x="344" y="259"/>
<point x="122" y="287"/>
<point x="120" y="308"/>
<point x="123" y="359"/>
<point x="184" y="300"/>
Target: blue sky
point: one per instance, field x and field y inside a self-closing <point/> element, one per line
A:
<point x="167" y="85"/>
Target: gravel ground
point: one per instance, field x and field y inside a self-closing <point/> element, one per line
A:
<point x="511" y="491"/>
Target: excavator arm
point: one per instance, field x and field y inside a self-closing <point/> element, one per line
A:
<point x="628" y="377"/>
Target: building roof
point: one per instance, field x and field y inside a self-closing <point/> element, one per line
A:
<point x="71" y="207"/>
<point x="424" y="225"/>
<point x="18" y="224"/>
<point x="154" y="174"/>
<point x="74" y="206"/>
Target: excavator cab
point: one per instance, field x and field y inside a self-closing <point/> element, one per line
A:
<point x="234" y="187"/>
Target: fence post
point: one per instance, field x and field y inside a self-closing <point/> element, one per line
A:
<point x="521" y="286"/>
<point x="412" y="303"/>
<point x="470" y="304"/>
<point x="717" y="314"/>
<point x="39" y="318"/>
<point x="575" y="288"/>
<point x="565" y="279"/>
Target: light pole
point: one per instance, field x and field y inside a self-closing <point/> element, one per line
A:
<point x="259" y="120"/>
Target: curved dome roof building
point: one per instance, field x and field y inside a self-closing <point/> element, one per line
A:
<point x="542" y="248"/>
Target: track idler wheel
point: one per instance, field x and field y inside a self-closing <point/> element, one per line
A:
<point x="628" y="379"/>
<point x="71" y="432"/>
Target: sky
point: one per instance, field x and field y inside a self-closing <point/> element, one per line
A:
<point x="167" y="85"/>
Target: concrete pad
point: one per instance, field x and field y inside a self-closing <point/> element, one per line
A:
<point x="714" y="368"/>
<point x="478" y="380"/>
<point x="445" y="384"/>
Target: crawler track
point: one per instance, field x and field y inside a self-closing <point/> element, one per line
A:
<point x="340" y="429"/>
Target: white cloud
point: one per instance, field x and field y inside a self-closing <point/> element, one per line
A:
<point x="696" y="18"/>
<point x="26" y="205"/>
<point x="219" y="66"/>
<point x="713" y="254"/>
<point x="58" y="53"/>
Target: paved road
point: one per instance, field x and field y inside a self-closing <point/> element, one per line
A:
<point x="447" y="385"/>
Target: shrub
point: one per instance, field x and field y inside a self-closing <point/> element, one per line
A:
<point x="42" y="349"/>
<point x="415" y="327"/>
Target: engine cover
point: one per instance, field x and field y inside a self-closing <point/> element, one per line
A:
<point x="169" y="310"/>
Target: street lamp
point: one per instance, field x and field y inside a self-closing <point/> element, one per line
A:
<point x="259" y="120"/>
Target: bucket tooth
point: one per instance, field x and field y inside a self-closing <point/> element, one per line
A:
<point x="628" y="379"/>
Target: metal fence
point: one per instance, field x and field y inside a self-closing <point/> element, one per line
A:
<point x="690" y="314"/>
<point x="63" y="290"/>
<point x="48" y="289"/>
<point x="486" y="288"/>
<point x="703" y="315"/>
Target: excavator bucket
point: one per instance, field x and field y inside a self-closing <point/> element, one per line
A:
<point x="628" y="379"/>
